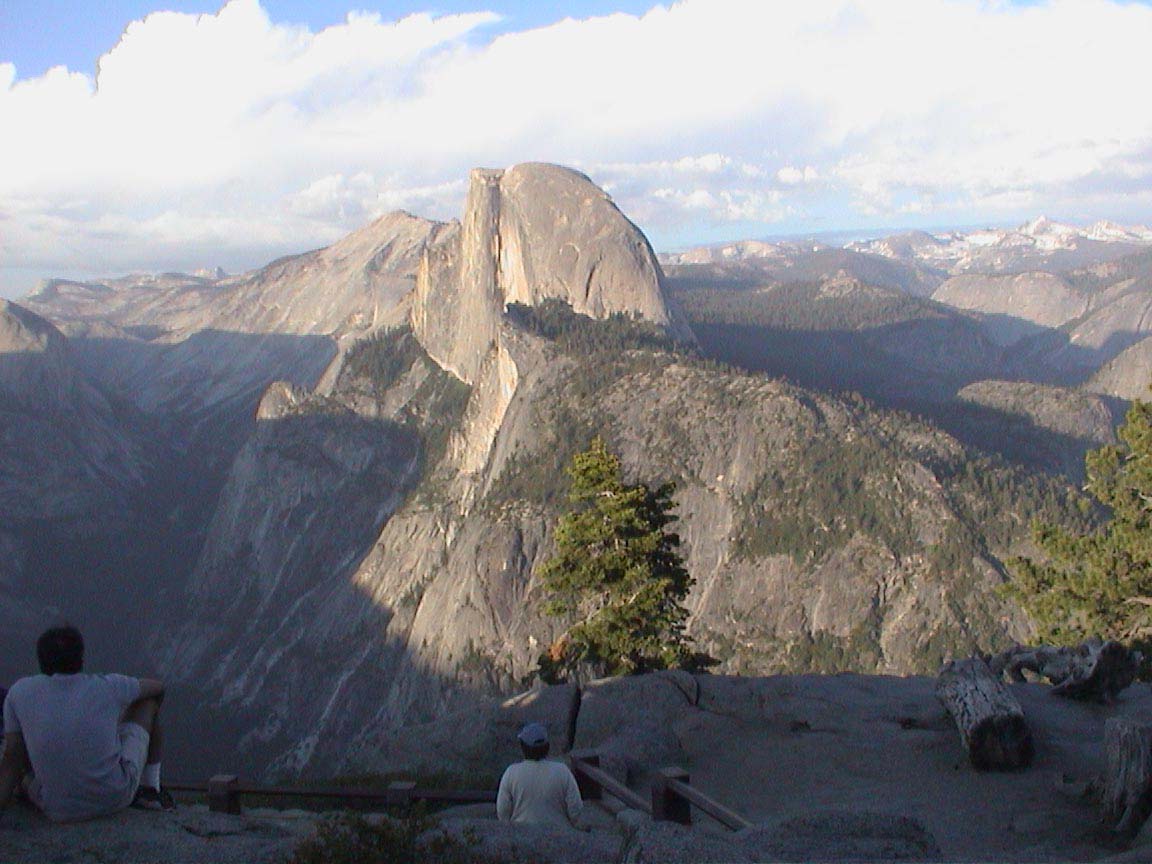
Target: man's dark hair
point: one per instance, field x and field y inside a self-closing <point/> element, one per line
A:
<point x="535" y="753"/>
<point x="60" y="650"/>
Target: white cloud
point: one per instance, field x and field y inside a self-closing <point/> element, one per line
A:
<point x="233" y="138"/>
<point x="790" y="175"/>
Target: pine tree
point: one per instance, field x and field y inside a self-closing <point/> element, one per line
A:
<point x="1099" y="584"/>
<point x="616" y="574"/>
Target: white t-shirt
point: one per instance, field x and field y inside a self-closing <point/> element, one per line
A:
<point x="70" y="725"/>
<point x="538" y="791"/>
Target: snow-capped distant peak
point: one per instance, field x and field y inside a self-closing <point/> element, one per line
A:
<point x="1043" y="226"/>
<point x="1111" y="232"/>
<point x="999" y="249"/>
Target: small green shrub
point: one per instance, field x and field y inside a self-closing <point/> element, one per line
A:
<point x="352" y="839"/>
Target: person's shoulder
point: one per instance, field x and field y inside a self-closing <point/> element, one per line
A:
<point x="27" y="684"/>
<point x="114" y="679"/>
<point x="26" y="691"/>
<point x="121" y="686"/>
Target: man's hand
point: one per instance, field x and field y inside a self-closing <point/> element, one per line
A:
<point x="14" y="765"/>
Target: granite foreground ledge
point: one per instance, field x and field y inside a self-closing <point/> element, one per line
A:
<point x="193" y="835"/>
<point x="189" y="835"/>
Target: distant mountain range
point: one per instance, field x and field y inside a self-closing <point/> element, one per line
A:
<point x="953" y="252"/>
<point x="341" y="471"/>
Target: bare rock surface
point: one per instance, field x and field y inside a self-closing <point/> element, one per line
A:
<point x="190" y="835"/>
<point x="1127" y="375"/>
<point x="790" y="747"/>
<point x="1039" y="299"/>
<point x="630" y="722"/>
<point x="563" y="237"/>
<point x="478" y="743"/>
<point x="504" y="841"/>
<point x="531" y="233"/>
<point x="842" y="836"/>
<point x="180" y="343"/>
<point x="649" y="842"/>
<point x="439" y="609"/>
<point x="34" y="363"/>
<point x="838" y="768"/>
<point x="1070" y="413"/>
<point x="71" y="465"/>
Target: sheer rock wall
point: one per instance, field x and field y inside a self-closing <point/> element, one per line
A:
<point x="530" y="233"/>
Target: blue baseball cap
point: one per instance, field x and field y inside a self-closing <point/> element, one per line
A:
<point x="533" y="735"/>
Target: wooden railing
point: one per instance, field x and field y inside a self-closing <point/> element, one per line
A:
<point x="225" y="792"/>
<point x="671" y="800"/>
<point x="672" y="789"/>
<point x="672" y="795"/>
<point x="594" y="782"/>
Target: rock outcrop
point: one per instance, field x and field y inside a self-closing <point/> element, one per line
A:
<point x="531" y="233"/>
<point x="1129" y="375"/>
<point x="189" y="345"/>
<point x="72" y="469"/>
<point x="191" y="835"/>
<point x="1024" y="303"/>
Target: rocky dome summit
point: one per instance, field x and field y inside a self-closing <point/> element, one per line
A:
<point x="532" y="232"/>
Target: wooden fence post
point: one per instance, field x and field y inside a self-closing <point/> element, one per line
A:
<point x="589" y="789"/>
<point x="223" y="796"/>
<point x="668" y="805"/>
<point x="400" y="792"/>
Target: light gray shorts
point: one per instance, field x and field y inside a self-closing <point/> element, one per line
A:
<point x="133" y="754"/>
<point x="133" y="757"/>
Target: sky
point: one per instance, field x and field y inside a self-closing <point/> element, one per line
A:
<point x="151" y="136"/>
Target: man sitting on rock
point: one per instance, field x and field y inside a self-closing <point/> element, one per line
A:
<point x="83" y="745"/>
<point x="535" y="790"/>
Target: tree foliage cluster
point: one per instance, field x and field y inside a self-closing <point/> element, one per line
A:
<point x="567" y="418"/>
<point x="1136" y="267"/>
<point x="829" y="493"/>
<point x="553" y="319"/>
<point x="437" y="402"/>
<point x="616" y="575"/>
<point x="1099" y="583"/>
<point x="800" y="306"/>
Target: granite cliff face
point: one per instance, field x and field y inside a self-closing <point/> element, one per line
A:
<point x="72" y="475"/>
<point x="530" y="233"/>
<point x="173" y="367"/>
<point x="1127" y="375"/>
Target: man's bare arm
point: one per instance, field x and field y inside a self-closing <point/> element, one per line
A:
<point x="150" y="688"/>
<point x="14" y="765"/>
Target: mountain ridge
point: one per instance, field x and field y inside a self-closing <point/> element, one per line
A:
<point x="373" y="510"/>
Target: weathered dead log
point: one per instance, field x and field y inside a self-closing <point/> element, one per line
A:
<point x="1043" y="660"/>
<point x="1128" y="783"/>
<point x="1094" y="670"/>
<point x="990" y="720"/>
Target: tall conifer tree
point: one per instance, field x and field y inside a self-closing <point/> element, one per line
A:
<point x="1100" y="584"/>
<point x="616" y="574"/>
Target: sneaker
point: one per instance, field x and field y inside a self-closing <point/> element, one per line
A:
<point x="148" y="798"/>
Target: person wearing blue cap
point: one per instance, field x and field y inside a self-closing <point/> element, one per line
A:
<point x="536" y="790"/>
